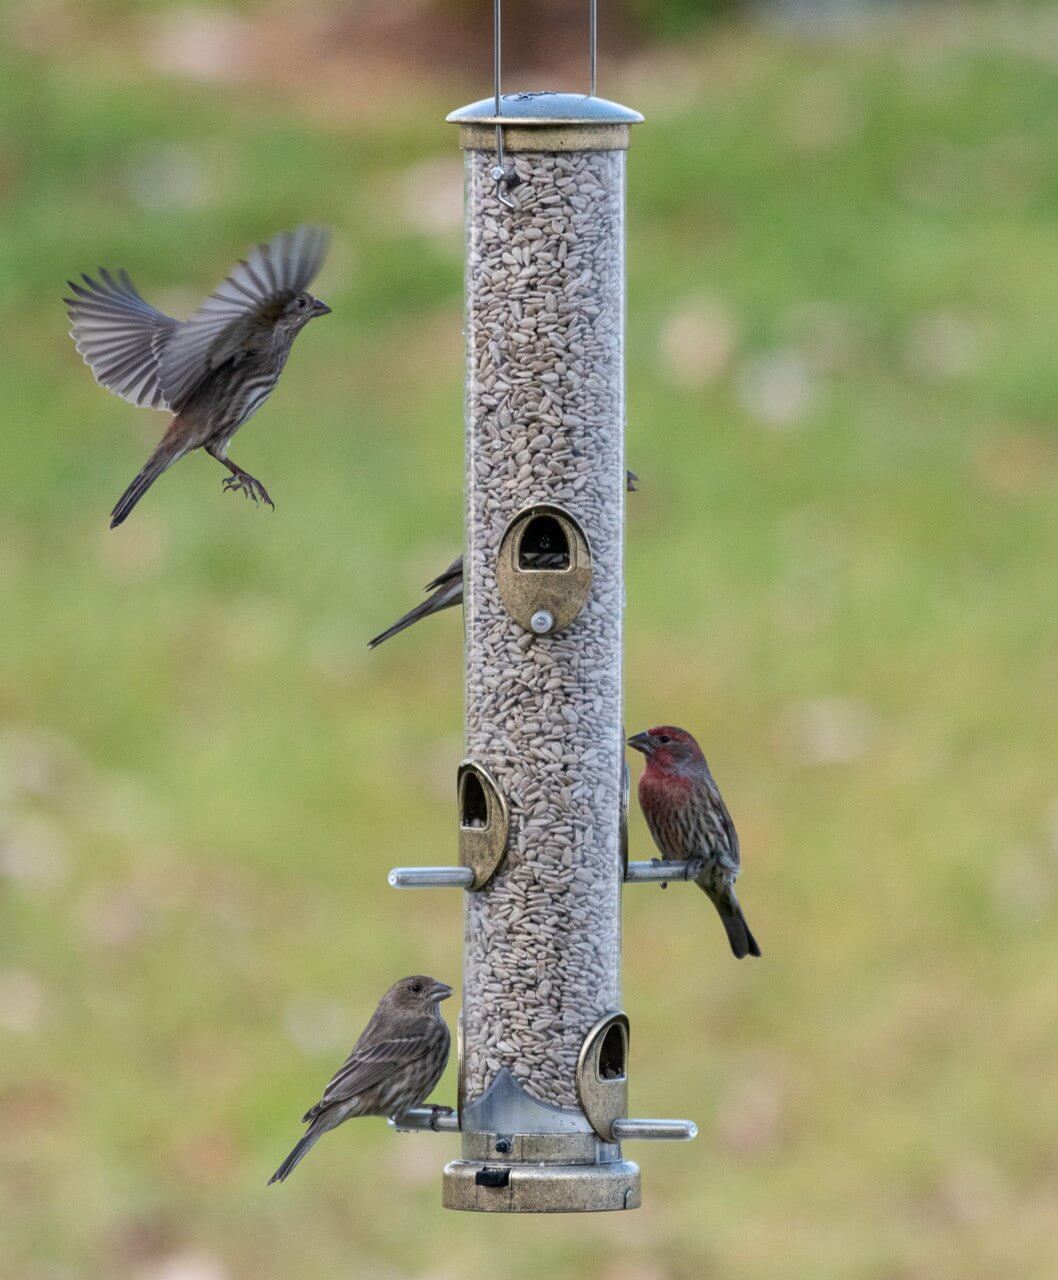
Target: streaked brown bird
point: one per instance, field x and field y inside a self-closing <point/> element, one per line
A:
<point x="689" y="821"/>
<point x="446" y="592"/>
<point x="214" y="370"/>
<point x="447" y="589"/>
<point x="393" y="1066"/>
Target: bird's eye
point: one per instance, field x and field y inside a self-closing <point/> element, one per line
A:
<point x="416" y="987"/>
<point x="301" y="303"/>
<point x="664" y="737"/>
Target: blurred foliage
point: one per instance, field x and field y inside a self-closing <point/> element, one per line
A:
<point x="630" y="19"/>
<point x="669" y="18"/>
<point x="843" y="311"/>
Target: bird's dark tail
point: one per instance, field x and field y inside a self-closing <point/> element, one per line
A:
<point x="301" y="1150"/>
<point x="742" y="941"/>
<point x="411" y="617"/>
<point x="447" y="595"/>
<point x="160" y="460"/>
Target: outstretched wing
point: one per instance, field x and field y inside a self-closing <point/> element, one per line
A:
<point x="254" y="294"/>
<point x="369" y="1065"/>
<point x="121" y="336"/>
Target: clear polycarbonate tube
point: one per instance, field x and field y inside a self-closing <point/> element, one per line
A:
<point x="545" y="424"/>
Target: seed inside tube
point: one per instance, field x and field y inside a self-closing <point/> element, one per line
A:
<point x="545" y="412"/>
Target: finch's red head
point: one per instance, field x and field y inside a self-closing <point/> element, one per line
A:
<point x="669" y="750"/>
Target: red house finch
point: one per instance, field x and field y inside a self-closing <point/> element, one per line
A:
<point x="394" y="1065"/>
<point x="689" y="821"/>
<point x="213" y="371"/>
<point x="447" y="588"/>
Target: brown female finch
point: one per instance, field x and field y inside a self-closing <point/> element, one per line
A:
<point x="446" y="592"/>
<point x="393" y="1066"/>
<point x="447" y="588"/>
<point x="212" y="371"/>
<point x="689" y="822"/>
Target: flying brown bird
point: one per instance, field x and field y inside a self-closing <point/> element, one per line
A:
<point x="393" y="1066"/>
<point x="212" y="371"/>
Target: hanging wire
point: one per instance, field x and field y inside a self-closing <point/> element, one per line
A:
<point x="504" y="176"/>
<point x="500" y="173"/>
<point x="593" y="43"/>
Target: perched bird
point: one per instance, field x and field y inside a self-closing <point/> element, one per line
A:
<point x="689" y="821"/>
<point x="212" y="371"/>
<point x="393" y="1067"/>
<point x="447" y="589"/>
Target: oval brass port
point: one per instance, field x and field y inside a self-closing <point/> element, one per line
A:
<point x="484" y="822"/>
<point x="626" y="786"/>
<point x="461" y="1079"/>
<point x="602" y="1074"/>
<point x="544" y="569"/>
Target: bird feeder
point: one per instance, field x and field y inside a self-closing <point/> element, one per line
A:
<point x="544" y="1043"/>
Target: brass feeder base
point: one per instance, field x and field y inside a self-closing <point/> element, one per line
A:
<point x="541" y="1188"/>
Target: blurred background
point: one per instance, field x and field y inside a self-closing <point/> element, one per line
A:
<point x="843" y="405"/>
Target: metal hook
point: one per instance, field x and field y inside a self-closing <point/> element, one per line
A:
<point x="501" y="174"/>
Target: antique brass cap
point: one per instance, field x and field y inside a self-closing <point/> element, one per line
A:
<point x="546" y="121"/>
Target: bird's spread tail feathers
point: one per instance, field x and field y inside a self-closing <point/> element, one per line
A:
<point x="300" y="1151"/>
<point x="160" y="460"/>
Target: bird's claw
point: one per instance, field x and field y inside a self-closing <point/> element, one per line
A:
<point x="657" y="862"/>
<point x="438" y="1111"/>
<point x="249" y="487"/>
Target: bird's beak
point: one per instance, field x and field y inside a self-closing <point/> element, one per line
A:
<point x="441" y="991"/>
<point x="320" y="308"/>
<point x="642" y="742"/>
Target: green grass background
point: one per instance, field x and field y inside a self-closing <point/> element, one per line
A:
<point x="204" y="776"/>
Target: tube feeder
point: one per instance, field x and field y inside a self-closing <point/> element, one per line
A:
<point x="543" y="1044"/>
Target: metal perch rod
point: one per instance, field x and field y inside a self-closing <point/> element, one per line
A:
<point x="653" y="872"/>
<point x="426" y="1120"/>
<point x="431" y="877"/>
<point x="655" y="1130"/>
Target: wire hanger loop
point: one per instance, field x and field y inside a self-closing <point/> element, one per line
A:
<point x="502" y="173"/>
